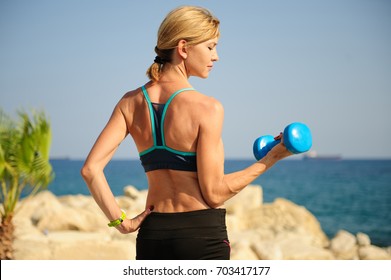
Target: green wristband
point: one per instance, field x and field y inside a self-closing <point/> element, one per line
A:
<point x="117" y="221"/>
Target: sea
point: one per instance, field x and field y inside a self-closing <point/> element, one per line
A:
<point x="351" y="195"/>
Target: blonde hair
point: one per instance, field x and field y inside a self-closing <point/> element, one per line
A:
<point x="191" y="23"/>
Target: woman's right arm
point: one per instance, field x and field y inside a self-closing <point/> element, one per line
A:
<point x="92" y="171"/>
<point x="217" y="187"/>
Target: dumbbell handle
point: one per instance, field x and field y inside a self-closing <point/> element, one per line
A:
<point x="263" y="145"/>
<point x="297" y="139"/>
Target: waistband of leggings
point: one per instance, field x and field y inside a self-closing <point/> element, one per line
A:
<point x="199" y="223"/>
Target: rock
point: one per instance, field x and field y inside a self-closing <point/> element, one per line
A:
<point x="268" y="250"/>
<point x="297" y="246"/>
<point x="38" y="206"/>
<point x="133" y="200"/>
<point x="24" y="228"/>
<point x="363" y="239"/>
<point x="373" y="253"/>
<point x="67" y="219"/>
<point x="73" y="227"/>
<point x="280" y="230"/>
<point x="344" y="246"/>
<point x="285" y="216"/>
<point x="249" y="198"/>
<point x="114" y="250"/>
<point x="49" y="213"/>
<point x="32" y="249"/>
<point x="241" y="250"/>
<point x="88" y="246"/>
<point x="131" y="192"/>
<point x="78" y="201"/>
<point x="66" y="245"/>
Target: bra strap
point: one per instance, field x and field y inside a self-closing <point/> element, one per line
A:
<point x="165" y="111"/>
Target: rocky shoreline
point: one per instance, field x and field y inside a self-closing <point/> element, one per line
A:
<point x="74" y="228"/>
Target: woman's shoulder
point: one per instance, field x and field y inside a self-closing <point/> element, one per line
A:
<point x="204" y="104"/>
<point x="210" y="102"/>
<point x="134" y="93"/>
<point x="132" y="96"/>
<point x="130" y="101"/>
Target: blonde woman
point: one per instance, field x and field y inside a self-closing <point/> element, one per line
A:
<point x="177" y="131"/>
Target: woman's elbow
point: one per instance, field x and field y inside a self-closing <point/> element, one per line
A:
<point x="213" y="200"/>
<point x="87" y="172"/>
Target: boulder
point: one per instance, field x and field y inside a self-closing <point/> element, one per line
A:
<point x="285" y="216"/>
<point x="373" y="253"/>
<point x="267" y="250"/>
<point x="32" y="249"/>
<point x="344" y="246"/>
<point x="249" y="198"/>
<point x="73" y="227"/>
<point x="241" y="250"/>
<point x="300" y="246"/>
<point x="363" y="239"/>
<point x="133" y="200"/>
<point x="89" y="246"/>
<point x="132" y="192"/>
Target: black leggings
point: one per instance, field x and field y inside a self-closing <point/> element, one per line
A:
<point x="195" y="235"/>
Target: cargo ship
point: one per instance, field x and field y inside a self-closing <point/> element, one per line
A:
<point x="314" y="156"/>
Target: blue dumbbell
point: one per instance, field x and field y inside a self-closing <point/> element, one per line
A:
<point x="297" y="139"/>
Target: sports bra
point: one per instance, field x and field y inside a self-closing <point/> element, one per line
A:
<point x="160" y="156"/>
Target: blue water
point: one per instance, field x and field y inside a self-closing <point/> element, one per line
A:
<point x="354" y="195"/>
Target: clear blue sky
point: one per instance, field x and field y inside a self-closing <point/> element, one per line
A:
<point x="324" y="63"/>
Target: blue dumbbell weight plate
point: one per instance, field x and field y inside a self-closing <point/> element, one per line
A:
<point x="263" y="145"/>
<point x="299" y="140"/>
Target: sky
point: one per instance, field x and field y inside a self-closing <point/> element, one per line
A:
<point x="324" y="63"/>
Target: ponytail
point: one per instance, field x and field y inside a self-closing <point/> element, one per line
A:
<point x="156" y="68"/>
<point x="153" y="71"/>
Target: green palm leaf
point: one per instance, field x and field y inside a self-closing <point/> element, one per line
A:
<point x="24" y="157"/>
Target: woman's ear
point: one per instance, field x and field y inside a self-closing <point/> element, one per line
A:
<point x="182" y="49"/>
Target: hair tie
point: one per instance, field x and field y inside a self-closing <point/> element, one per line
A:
<point x="159" y="60"/>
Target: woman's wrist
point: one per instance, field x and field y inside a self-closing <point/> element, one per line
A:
<point x="117" y="222"/>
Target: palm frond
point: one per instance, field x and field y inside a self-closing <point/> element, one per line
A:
<point x="24" y="156"/>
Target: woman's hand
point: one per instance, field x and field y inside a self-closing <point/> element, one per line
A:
<point x="131" y="225"/>
<point x="280" y="151"/>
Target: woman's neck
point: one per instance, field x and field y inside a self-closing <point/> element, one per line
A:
<point x="173" y="73"/>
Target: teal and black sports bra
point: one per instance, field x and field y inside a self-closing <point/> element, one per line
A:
<point x="160" y="156"/>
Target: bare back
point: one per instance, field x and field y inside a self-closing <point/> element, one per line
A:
<point x="169" y="190"/>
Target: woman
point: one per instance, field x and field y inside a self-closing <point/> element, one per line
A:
<point x="177" y="131"/>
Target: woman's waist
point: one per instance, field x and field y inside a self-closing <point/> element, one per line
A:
<point x="188" y="219"/>
<point x="206" y="223"/>
<point x="176" y="205"/>
<point x="180" y="196"/>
